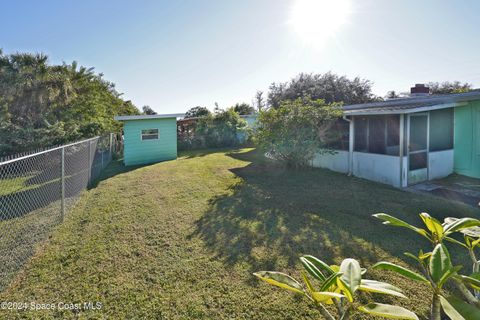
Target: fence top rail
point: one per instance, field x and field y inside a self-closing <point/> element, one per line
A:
<point x="46" y="151"/>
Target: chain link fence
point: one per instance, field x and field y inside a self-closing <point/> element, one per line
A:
<point x="37" y="190"/>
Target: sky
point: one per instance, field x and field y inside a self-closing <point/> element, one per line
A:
<point x="174" y="55"/>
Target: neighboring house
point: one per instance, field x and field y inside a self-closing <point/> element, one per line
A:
<point x="251" y="119"/>
<point x="409" y="140"/>
<point x="149" y="138"/>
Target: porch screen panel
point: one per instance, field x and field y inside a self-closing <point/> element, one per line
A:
<point x="361" y="133"/>
<point x="339" y="138"/>
<point x="377" y="135"/>
<point x="393" y="135"/>
<point x="418" y="133"/>
<point x="441" y="129"/>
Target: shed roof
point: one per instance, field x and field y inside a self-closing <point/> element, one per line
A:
<point x="412" y="104"/>
<point x="153" y="116"/>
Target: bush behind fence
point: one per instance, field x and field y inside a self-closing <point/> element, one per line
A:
<point x="37" y="190"/>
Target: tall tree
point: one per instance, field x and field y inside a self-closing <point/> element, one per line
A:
<point x="196" y="112"/>
<point x="148" y="111"/>
<point x="392" y="94"/>
<point x="259" y="101"/>
<point x="328" y="87"/>
<point x="243" y="108"/>
<point x="43" y="104"/>
<point x="449" y="87"/>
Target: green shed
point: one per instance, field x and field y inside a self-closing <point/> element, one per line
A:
<point x="149" y="138"/>
<point x="467" y="139"/>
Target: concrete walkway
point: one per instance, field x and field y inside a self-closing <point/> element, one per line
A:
<point x="452" y="191"/>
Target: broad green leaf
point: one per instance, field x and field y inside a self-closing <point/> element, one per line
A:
<point x="400" y="270"/>
<point x="335" y="268"/>
<point x="423" y="256"/>
<point x="452" y="240"/>
<point x="475" y="243"/>
<point x="345" y="288"/>
<point x="322" y="266"/>
<point x="307" y="282"/>
<point x="330" y="281"/>
<point x="326" y="297"/>
<point x="352" y="273"/>
<point x="280" y="280"/>
<point x="473" y="280"/>
<point x="457" y="309"/>
<point x="440" y="263"/>
<point x="432" y="224"/>
<point x="380" y="287"/>
<point x="411" y="255"/>
<point x="468" y="226"/>
<point x="388" y="311"/>
<point x="448" y="275"/>
<point x="312" y="269"/>
<point x="390" y="220"/>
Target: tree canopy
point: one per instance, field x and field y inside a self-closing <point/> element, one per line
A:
<point x="196" y="112"/>
<point x="148" y="111"/>
<point x="43" y="104"/>
<point x="328" y="87"/>
<point x="297" y="129"/>
<point x="243" y="108"/>
<point x="447" y="87"/>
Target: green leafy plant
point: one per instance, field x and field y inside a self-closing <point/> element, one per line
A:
<point x="437" y="266"/>
<point x="339" y="286"/>
<point x="297" y="130"/>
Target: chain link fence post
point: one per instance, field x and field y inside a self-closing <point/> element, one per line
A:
<point x="37" y="191"/>
<point x="63" y="184"/>
<point x="110" y="145"/>
<point x="89" y="162"/>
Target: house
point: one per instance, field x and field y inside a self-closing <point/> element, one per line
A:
<point x="149" y="138"/>
<point x="405" y="141"/>
<point x="251" y="119"/>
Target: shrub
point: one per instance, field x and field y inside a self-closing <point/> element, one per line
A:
<point x="224" y="128"/>
<point x="297" y="130"/>
<point x="338" y="285"/>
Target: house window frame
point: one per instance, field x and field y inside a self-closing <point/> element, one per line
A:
<point x="142" y="134"/>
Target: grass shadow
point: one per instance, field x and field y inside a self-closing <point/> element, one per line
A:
<point x="274" y="215"/>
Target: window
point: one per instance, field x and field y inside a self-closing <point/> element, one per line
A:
<point x="150" y="134"/>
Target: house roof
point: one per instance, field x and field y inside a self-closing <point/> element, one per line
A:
<point x="153" y="116"/>
<point x="412" y="104"/>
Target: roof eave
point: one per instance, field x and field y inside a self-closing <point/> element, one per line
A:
<point x="147" y="117"/>
<point x="404" y="111"/>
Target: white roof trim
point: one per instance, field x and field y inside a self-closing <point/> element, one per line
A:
<point x="153" y="116"/>
<point x="404" y="111"/>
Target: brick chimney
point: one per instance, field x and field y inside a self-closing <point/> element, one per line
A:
<point x="419" y="90"/>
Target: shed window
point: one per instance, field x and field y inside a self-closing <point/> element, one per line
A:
<point x="150" y="134"/>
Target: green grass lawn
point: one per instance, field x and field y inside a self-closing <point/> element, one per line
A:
<point x="180" y="239"/>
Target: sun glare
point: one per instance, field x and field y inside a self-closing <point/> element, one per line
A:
<point x="314" y="21"/>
